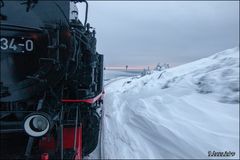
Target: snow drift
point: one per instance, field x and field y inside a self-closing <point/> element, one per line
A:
<point x="182" y="112"/>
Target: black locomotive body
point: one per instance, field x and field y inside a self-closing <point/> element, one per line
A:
<point x="51" y="81"/>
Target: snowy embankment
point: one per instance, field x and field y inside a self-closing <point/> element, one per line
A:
<point x="182" y="112"/>
<point x="113" y="75"/>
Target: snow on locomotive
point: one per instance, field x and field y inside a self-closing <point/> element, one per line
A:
<point x="51" y="81"/>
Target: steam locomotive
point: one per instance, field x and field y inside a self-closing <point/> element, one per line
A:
<point x="51" y="81"/>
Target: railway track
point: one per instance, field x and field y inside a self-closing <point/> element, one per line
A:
<point x="101" y="135"/>
<point x="99" y="151"/>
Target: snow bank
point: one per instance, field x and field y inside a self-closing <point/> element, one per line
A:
<point x="182" y="112"/>
<point x="110" y="75"/>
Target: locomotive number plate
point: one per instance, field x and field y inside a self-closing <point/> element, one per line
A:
<point x="16" y="45"/>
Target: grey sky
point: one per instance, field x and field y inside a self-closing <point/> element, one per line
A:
<point x="141" y="33"/>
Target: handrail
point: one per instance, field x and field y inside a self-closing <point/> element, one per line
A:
<point x="86" y="11"/>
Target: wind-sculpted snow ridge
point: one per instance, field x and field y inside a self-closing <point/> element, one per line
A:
<point x="188" y="111"/>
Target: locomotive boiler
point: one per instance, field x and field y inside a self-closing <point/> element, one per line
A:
<point x="51" y="81"/>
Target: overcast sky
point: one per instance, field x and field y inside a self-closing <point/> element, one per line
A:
<point x="141" y="33"/>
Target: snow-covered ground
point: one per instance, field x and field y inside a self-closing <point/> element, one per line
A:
<point x="113" y="75"/>
<point x="182" y="112"/>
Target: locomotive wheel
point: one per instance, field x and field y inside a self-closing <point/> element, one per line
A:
<point x="90" y="133"/>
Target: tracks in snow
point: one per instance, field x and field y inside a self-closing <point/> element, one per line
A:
<point x="98" y="153"/>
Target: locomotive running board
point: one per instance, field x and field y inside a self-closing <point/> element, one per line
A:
<point x="90" y="100"/>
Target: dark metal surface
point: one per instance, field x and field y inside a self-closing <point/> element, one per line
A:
<point x="43" y="12"/>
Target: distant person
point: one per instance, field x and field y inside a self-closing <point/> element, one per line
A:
<point x="126" y="67"/>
